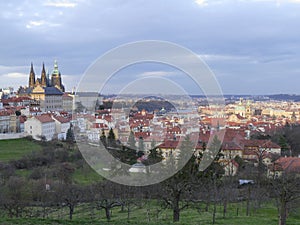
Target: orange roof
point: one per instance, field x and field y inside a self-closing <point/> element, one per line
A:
<point x="62" y="119"/>
<point x="260" y="143"/>
<point x="288" y="164"/>
<point x="45" y="118"/>
<point x="169" y="144"/>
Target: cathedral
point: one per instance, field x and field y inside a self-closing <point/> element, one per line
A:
<point x="45" y="80"/>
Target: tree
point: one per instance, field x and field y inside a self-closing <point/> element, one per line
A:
<point x="285" y="149"/>
<point x="141" y="147"/>
<point x="70" y="138"/>
<point x="64" y="173"/>
<point x="104" y="195"/>
<point x="131" y="141"/>
<point x="286" y="190"/>
<point x="213" y="171"/>
<point x="155" y="155"/>
<point x="70" y="195"/>
<point x="111" y="139"/>
<point x="103" y="139"/>
<point x="15" y="197"/>
<point x="181" y="183"/>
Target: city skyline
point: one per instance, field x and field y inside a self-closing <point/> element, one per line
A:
<point x="251" y="46"/>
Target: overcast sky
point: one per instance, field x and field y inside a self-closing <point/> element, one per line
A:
<point x="252" y="46"/>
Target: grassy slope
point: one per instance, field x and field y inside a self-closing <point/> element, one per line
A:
<point x="16" y="148"/>
<point x="85" y="176"/>
<point x="147" y="215"/>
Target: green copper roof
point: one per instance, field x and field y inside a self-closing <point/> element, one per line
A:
<point x="55" y="71"/>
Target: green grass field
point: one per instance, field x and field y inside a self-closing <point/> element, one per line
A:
<point x="86" y="175"/>
<point x="150" y="212"/>
<point x="16" y="148"/>
<point x="148" y="215"/>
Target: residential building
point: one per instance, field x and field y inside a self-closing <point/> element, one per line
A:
<point x="284" y="165"/>
<point x="40" y="127"/>
<point x="62" y="124"/>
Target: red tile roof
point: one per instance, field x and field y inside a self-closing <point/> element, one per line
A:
<point x="169" y="144"/>
<point x="45" y="118"/>
<point x="288" y="164"/>
<point x="62" y="119"/>
<point x="260" y="143"/>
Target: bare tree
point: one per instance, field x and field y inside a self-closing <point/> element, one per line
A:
<point x="177" y="190"/>
<point x="15" y="196"/>
<point x="286" y="190"/>
<point x="70" y="195"/>
<point x="106" y="196"/>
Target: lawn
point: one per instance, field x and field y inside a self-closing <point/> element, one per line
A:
<point x="16" y="148"/>
<point x="147" y="214"/>
<point x="86" y="175"/>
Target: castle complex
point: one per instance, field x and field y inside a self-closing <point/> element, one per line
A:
<point x="45" y="80"/>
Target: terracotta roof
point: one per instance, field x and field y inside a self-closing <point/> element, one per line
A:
<point x="169" y="144"/>
<point x="62" y="119"/>
<point x="288" y="164"/>
<point x="231" y="146"/>
<point x="45" y="118"/>
<point x="144" y="135"/>
<point x="4" y="113"/>
<point x="100" y="126"/>
<point x="260" y="143"/>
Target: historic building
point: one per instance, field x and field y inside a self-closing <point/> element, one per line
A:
<point x="46" y="90"/>
<point x="45" y="80"/>
<point x="49" y="98"/>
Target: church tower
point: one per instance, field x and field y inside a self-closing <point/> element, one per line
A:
<point x="248" y="110"/>
<point x="43" y="77"/>
<point x="56" y="78"/>
<point x="31" y="82"/>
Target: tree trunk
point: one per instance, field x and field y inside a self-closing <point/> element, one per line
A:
<point x="128" y="212"/>
<point x="107" y="213"/>
<point x="248" y="201"/>
<point x="224" y="207"/>
<point x="214" y="213"/>
<point x="176" y="209"/>
<point x="71" y="212"/>
<point x="283" y="215"/>
<point x="207" y="206"/>
<point x="176" y="213"/>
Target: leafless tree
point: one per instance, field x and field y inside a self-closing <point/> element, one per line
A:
<point x="69" y="195"/>
<point x="286" y="190"/>
<point x="15" y="196"/>
<point x="106" y="195"/>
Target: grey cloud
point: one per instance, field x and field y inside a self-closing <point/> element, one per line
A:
<point x="252" y="39"/>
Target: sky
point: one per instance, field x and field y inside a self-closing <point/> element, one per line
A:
<point x="251" y="46"/>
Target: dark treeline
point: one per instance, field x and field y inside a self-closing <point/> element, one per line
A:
<point x="148" y="105"/>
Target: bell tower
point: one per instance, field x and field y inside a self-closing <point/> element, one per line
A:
<point x="31" y="82"/>
<point x="56" y="78"/>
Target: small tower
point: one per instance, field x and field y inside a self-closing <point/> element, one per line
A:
<point x="248" y="110"/>
<point x="31" y="82"/>
<point x="293" y="117"/>
<point x="43" y="77"/>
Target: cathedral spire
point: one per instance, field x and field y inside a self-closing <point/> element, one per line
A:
<point x="43" y="77"/>
<point x="31" y="82"/>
